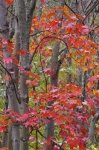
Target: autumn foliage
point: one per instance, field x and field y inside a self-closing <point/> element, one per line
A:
<point x="69" y="109"/>
<point x="9" y="2"/>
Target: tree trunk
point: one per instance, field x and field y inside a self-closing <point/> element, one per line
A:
<point x="11" y="83"/>
<point x="24" y="11"/>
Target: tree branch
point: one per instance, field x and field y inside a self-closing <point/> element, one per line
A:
<point x="12" y="82"/>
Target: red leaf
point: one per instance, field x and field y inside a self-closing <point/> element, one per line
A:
<point x="32" y="83"/>
<point x="7" y="60"/>
<point x="56" y="147"/>
<point x="9" y="2"/>
<point x="3" y="128"/>
<point x="43" y="1"/>
<point x="72" y="142"/>
<point x="22" y="52"/>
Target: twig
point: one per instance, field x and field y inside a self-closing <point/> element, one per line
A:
<point x="46" y="37"/>
<point x="91" y="9"/>
<point x="12" y="81"/>
<point x="36" y="140"/>
<point x="53" y="142"/>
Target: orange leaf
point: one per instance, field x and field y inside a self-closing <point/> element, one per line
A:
<point x="4" y="148"/>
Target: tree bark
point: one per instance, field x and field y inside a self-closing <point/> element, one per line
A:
<point x="11" y="83"/>
<point x="24" y="11"/>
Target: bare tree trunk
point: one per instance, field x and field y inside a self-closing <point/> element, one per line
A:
<point x="55" y="67"/>
<point x="54" y="83"/>
<point x="24" y="11"/>
<point x="11" y="83"/>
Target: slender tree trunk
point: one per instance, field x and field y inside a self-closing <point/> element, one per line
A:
<point x="11" y="83"/>
<point x="24" y="11"/>
<point x="54" y="83"/>
<point x="55" y="67"/>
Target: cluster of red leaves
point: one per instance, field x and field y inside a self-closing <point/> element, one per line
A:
<point x="9" y="2"/>
<point x="68" y="112"/>
<point x="4" y="148"/>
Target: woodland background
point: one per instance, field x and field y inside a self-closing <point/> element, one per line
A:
<point x="49" y="75"/>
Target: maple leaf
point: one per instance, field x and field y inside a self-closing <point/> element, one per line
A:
<point x="73" y="142"/>
<point x="9" y="2"/>
<point x="48" y="71"/>
<point x="32" y="83"/>
<point x="43" y="1"/>
<point x="82" y="29"/>
<point x="4" y="148"/>
<point x="7" y="60"/>
<point x="3" y="128"/>
<point x="22" y="52"/>
<point x="56" y="147"/>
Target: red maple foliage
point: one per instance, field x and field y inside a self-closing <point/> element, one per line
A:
<point x="70" y="114"/>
